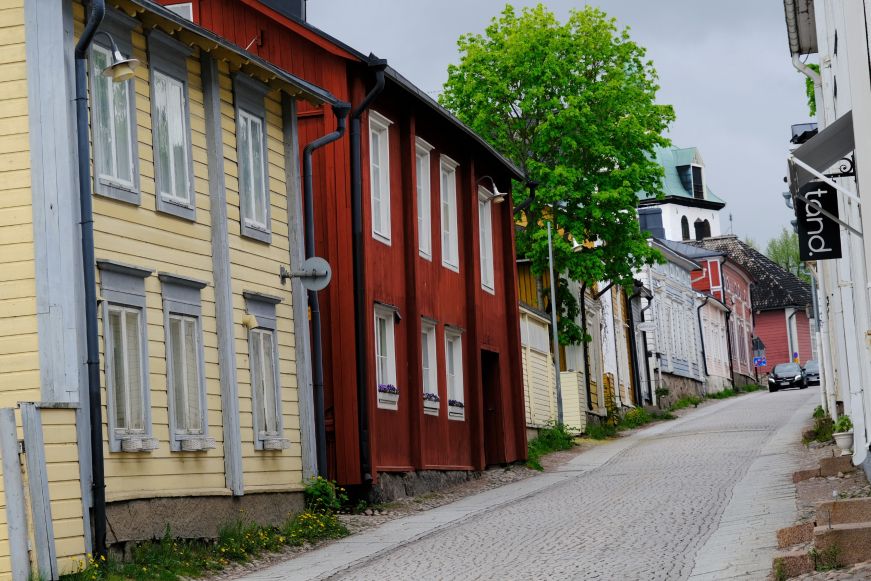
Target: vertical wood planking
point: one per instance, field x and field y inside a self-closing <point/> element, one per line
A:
<point x="40" y="501"/>
<point x="13" y="487"/>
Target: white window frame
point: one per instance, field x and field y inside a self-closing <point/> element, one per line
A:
<point x="380" y="125"/>
<point x="181" y="302"/>
<point x="122" y="288"/>
<point x="423" y="173"/>
<point x="255" y="208"/>
<point x="168" y="60"/>
<point x="448" y="197"/>
<point x="262" y="308"/>
<point x="111" y="184"/>
<point x="485" y="235"/>
<point x="111" y="361"/>
<point x="454" y="373"/>
<point x="385" y="356"/>
<point x="429" y="356"/>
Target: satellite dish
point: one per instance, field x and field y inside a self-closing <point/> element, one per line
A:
<point x="314" y="274"/>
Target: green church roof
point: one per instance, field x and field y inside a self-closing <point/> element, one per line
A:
<point x="671" y="159"/>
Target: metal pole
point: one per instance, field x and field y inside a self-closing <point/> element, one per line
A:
<point x="553" y="328"/>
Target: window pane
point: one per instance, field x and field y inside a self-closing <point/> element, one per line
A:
<point x="257" y="180"/>
<point x="243" y="149"/>
<point x="177" y="141"/>
<point x="119" y="391"/>
<point x="175" y="348"/>
<point x="270" y="412"/>
<point x="134" y="370"/>
<point x="161" y="134"/>
<point x="123" y="140"/>
<point x="256" y="365"/>
<point x="192" y="373"/>
<point x="103" y="130"/>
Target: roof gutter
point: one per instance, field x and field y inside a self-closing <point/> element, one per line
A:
<point x="341" y="112"/>
<point x="95" y="409"/>
<point x="377" y="66"/>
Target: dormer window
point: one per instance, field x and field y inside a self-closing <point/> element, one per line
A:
<point x="698" y="183"/>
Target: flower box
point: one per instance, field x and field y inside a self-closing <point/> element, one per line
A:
<point x="388" y="397"/>
<point x="431" y="404"/>
<point x="456" y="410"/>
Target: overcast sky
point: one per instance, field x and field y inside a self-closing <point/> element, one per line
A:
<point x="724" y="66"/>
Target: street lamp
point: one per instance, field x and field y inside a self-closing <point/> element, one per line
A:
<point x="121" y="69"/>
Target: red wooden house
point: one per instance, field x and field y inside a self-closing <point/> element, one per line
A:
<point x="780" y="301"/>
<point x="433" y="311"/>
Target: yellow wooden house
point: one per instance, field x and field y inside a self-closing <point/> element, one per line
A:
<point x="205" y="394"/>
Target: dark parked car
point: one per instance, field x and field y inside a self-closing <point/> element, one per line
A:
<point x="812" y="372"/>
<point x="787" y="375"/>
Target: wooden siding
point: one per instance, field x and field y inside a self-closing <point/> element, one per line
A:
<point x="19" y="354"/>
<point x="574" y="392"/>
<point x="62" y="468"/>
<point x="771" y="328"/>
<point x="142" y="236"/>
<point x="539" y="382"/>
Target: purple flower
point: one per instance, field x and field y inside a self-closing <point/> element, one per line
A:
<point x="388" y="388"/>
<point x="431" y="397"/>
<point x="455" y="403"/>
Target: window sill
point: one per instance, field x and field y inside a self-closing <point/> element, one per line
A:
<point x="488" y="289"/>
<point x="450" y="266"/>
<point x="388" y="401"/>
<point x="116" y="191"/>
<point x="176" y="208"/>
<point x="382" y="238"/>
<point x="194" y="444"/>
<point x="425" y="255"/>
<point x="456" y="413"/>
<point x="132" y="444"/>
<point x="258" y="233"/>
<point x="431" y="408"/>
<point x="275" y="444"/>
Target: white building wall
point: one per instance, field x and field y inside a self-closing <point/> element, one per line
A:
<point x="671" y="220"/>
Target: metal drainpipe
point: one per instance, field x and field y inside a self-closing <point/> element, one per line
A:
<point x="633" y="349"/>
<point x="789" y="334"/>
<point x="702" y="334"/>
<point x="586" y="348"/>
<point x="98" y="481"/>
<point x="340" y="110"/>
<point x="730" y="346"/>
<point x="378" y="66"/>
<point x="647" y="351"/>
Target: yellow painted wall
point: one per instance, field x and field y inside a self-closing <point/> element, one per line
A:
<point x="62" y="468"/>
<point x="574" y="400"/>
<point x="141" y="236"/>
<point x="19" y="356"/>
<point x="254" y="267"/>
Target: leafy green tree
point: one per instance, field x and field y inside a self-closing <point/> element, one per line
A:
<point x="784" y="251"/>
<point x="574" y="106"/>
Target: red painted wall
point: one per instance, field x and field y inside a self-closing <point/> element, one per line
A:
<point x="771" y="328"/>
<point x="405" y="439"/>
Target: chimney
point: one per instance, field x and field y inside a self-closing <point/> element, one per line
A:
<point x="294" y="9"/>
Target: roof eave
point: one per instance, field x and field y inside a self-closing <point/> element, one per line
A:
<point x="801" y="26"/>
<point x="174" y="23"/>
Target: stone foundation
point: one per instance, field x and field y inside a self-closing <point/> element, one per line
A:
<point x="742" y="380"/>
<point x="194" y="517"/>
<point x="679" y="386"/>
<point x="393" y="486"/>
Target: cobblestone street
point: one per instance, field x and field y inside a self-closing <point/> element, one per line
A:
<point x="697" y="498"/>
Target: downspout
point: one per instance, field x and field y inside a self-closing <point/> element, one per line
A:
<point x="98" y="480"/>
<point x="378" y="66"/>
<point x="647" y="352"/>
<point x="586" y="347"/>
<point x="340" y="110"/>
<point x="789" y="334"/>
<point x="730" y="346"/>
<point x="633" y="348"/>
<point x="814" y="77"/>
<point x="702" y="334"/>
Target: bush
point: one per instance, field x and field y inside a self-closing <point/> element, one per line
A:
<point x="819" y="412"/>
<point x="843" y="424"/>
<point x="322" y="495"/>
<point x="635" y="418"/>
<point x="552" y="438"/>
<point x="599" y="431"/>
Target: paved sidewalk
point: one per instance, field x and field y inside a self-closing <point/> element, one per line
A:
<point x="640" y="507"/>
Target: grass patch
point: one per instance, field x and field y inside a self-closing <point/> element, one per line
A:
<point x="751" y="387"/>
<point x="171" y="559"/>
<point x="685" y="402"/>
<point x="600" y="431"/>
<point x="725" y="394"/>
<point x="553" y="438"/>
<point x="827" y="559"/>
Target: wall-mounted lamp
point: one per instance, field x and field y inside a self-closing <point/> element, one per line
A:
<point x="121" y="68"/>
<point x="498" y="197"/>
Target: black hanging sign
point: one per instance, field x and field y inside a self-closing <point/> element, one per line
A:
<point x="819" y="237"/>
